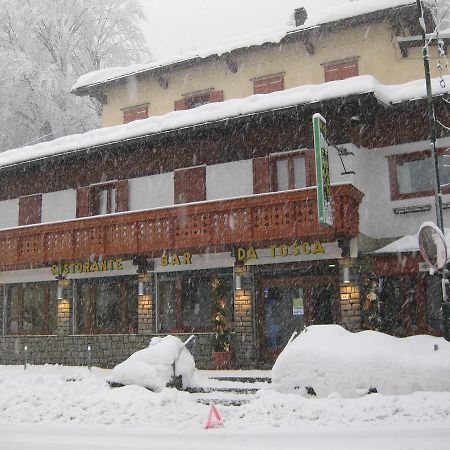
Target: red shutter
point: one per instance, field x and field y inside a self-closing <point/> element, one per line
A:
<point x="268" y="85"/>
<point x="190" y="185"/>
<point x="261" y="175"/>
<point x="122" y="196"/>
<point x="216" y="96"/>
<point x="136" y="113"/>
<point x="341" y="71"/>
<point x="30" y="209"/>
<point x="180" y="104"/>
<point x="83" y="201"/>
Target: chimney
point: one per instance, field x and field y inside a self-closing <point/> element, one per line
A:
<point x="300" y="16"/>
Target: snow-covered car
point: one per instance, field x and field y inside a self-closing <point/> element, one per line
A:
<point x="327" y="359"/>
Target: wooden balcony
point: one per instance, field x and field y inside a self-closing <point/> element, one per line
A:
<point x="212" y="225"/>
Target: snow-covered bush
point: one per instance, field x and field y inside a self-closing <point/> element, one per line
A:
<point x="329" y="359"/>
<point x="153" y="368"/>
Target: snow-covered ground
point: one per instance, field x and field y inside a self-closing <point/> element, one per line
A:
<point x="56" y="407"/>
<point x="52" y="407"/>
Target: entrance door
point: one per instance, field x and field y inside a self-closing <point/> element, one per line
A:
<point x="288" y="304"/>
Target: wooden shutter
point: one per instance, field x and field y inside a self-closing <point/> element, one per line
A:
<point x="261" y="175"/>
<point x="83" y="201"/>
<point x="135" y="113"/>
<point x="30" y="209"/>
<point x="122" y="196"/>
<point x="268" y="85"/>
<point x="190" y="185"/>
<point x="216" y="96"/>
<point x="341" y="70"/>
<point x="180" y="104"/>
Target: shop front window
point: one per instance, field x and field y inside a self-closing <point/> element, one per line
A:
<point x="398" y="305"/>
<point x="31" y="309"/>
<point x="106" y="305"/>
<point x="186" y="300"/>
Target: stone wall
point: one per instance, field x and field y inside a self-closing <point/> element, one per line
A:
<point x="243" y="344"/>
<point x="106" y="350"/>
<point x="350" y="307"/>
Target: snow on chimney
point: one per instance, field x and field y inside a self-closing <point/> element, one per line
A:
<point x="300" y="16"/>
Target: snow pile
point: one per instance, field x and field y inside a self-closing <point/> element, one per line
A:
<point x="153" y="367"/>
<point x="332" y="360"/>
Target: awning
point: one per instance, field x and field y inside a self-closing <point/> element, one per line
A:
<point x="409" y="243"/>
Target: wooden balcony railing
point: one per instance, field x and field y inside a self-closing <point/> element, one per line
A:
<point x="216" y="224"/>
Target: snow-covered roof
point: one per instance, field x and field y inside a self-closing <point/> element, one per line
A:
<point x="409" y="243"/>
<point x="317" y="18"/>
<point x="230" y="109"/>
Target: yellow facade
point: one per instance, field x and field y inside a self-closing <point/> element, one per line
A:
<point x="374" y="45"/>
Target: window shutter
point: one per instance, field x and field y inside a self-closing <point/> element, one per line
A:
<point x="180" y="104"/>
<point x="268" y="85"/>
<point x="190" y="185"/>
<point x="122" y="196"/>
<point x="261" y="175"/>
<point x="341" y="70"/>
<point x="135" y="113"/>
<point x="83" y="201"/>
<point x="30" y="209"/>
<point x="216" y="96"/>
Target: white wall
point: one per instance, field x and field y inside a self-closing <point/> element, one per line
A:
<point x="59" y="205"/>
<point x="154" y="191"/>
<point x="233" y="179"/>
<point x="377" y="218"/>
<point x="9" y="213"/>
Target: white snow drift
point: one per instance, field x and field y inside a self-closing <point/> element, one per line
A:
<point x="332" y="360"/>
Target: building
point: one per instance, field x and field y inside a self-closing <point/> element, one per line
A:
<point x="202" y="184"/>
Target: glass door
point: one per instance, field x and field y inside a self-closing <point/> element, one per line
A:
<point x="288" y="304"/>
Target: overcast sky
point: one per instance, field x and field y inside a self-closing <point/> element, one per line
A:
<point x="179" y="26"/>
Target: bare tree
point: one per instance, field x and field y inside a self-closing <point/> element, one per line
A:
<point x="45" y="45"/>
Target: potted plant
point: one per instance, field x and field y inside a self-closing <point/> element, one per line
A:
<point x="221" y="337"/>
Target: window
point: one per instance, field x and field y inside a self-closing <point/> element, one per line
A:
<point x="198" y="99"/>
<point x="412" y="175"/>
<point x="106" y="305"/>
<point x="190" y="185"/>
<point x="31" y="308"/>
<point x="292" y="171"/>
<point x="30" y="209"/>
<point x="340" y="70"/>
<point x="283" y="171"/>
<point x="185" y="301"/>
<point x="104" y="198"/>
<point x="268" y="84"/>
<point x="135" y="113"/>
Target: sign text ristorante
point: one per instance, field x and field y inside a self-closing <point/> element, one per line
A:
<point x="87" y="266"/>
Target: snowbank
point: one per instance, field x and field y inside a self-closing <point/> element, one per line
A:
<point x="153" y="368"/>
<point x="332" y="360"/>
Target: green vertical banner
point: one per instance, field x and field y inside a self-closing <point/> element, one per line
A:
<point x="324" y="199"/>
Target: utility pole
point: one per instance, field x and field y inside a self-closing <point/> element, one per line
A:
<point x="431" y="118"/>
<point x="434" y="152"/>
